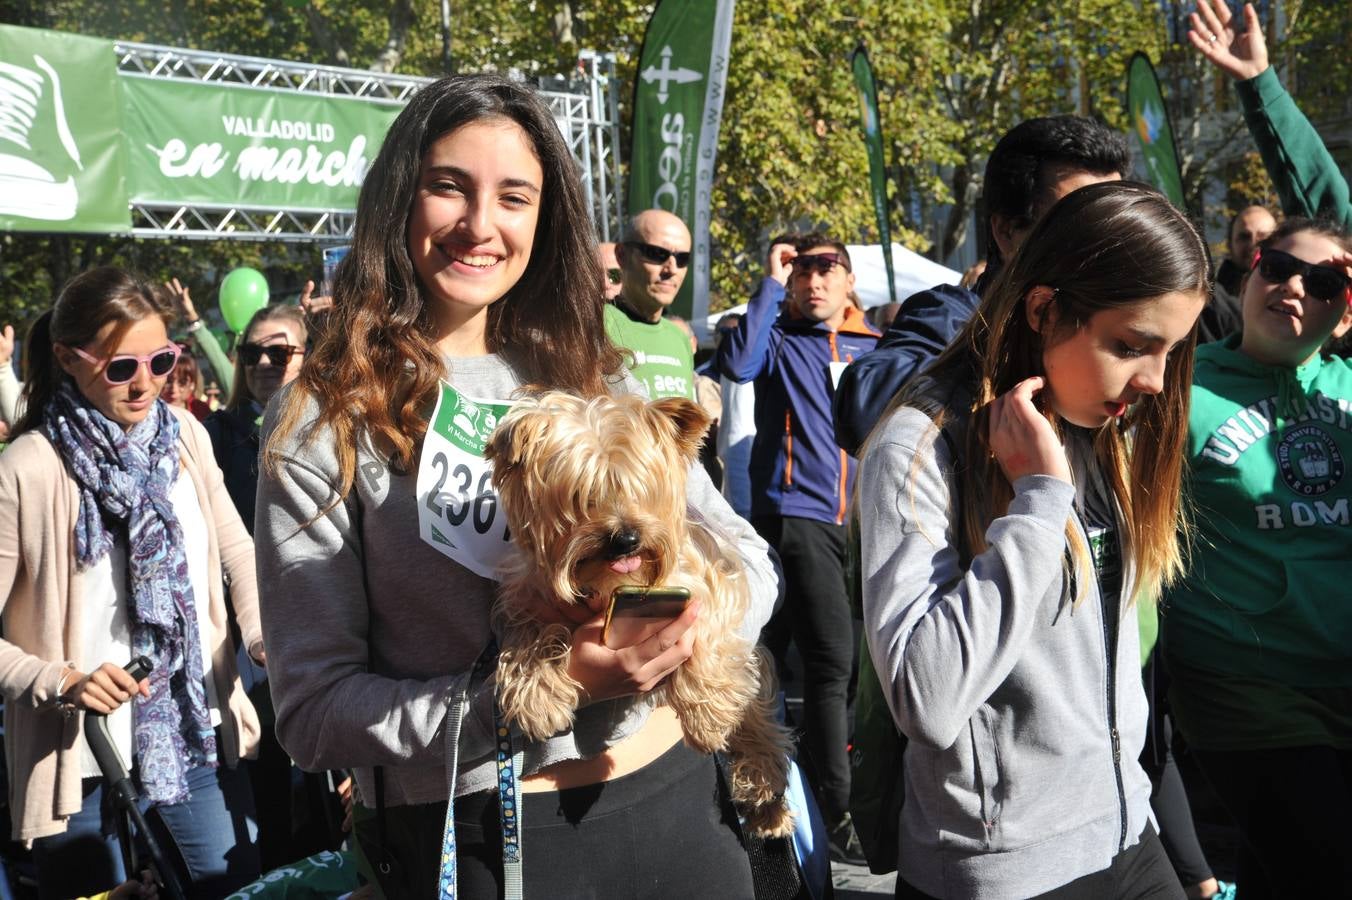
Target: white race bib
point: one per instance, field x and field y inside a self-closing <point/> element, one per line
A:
<point x="458" y="509"/>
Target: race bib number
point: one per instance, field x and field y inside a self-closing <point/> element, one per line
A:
<point x="458" y="510"/>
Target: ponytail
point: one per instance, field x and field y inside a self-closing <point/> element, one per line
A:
<point x="41" y="374"/>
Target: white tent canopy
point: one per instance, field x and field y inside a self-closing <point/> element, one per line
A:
<point x="914" y="273"/>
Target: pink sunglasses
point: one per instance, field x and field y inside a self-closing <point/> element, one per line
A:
<point x="123" y="368"/>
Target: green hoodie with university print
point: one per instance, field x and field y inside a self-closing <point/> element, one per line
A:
<point x="1267" y="589"/>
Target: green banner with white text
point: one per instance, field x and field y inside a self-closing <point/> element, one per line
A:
<point x="80" y="141"/>
<point x="190" y="142"/>
<point x="873" y="140"/>
<point x="62" y="165"/>
<point x="678" y="105"/>
<point x="1150" y="121"/>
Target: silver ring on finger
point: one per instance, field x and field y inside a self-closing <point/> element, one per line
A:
<point x="1212" y="39"/>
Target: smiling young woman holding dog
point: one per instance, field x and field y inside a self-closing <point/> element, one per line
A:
<point x="1017" y="500"/>
<point x="471" y="281"/>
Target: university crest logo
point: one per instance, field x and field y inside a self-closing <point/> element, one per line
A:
<point x="1309" y="461"/>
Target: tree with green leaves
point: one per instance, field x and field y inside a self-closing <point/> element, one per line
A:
<point x="952" y="76"/>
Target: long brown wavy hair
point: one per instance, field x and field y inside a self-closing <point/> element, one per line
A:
<point x="377" y="368"/>
<point x="1101" y="247"/>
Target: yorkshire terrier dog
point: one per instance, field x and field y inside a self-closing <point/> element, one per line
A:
<point x="594" y="494"/>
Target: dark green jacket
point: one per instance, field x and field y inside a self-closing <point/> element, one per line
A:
<point x="1305" y="174"/>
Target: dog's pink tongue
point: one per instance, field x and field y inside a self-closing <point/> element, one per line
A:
<point x="626" y="565"/>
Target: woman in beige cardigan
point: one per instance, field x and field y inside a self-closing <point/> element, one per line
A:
<point x="116" y="534"/>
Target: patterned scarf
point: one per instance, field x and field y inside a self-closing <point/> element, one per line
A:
<point x="124" y="480"/>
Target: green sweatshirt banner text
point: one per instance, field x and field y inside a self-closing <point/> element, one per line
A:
<point x="678" y="103"/>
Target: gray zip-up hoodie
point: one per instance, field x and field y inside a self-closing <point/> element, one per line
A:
<point x="1024" y="717"/>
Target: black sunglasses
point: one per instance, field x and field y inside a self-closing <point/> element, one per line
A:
<point x="821" y="263"/>
<point x="277" y="354"/>
<point x="659" y="255"/>
<point x="1321" y="282"/>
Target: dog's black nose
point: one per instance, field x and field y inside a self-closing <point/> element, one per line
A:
<point x="624" y="543"/>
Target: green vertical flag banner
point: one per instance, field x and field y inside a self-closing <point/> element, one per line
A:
<point x="678" y="104"/>
<point x="62" y="162"/>
<point x="190" y="142"/>
<point x="1150" y="121"/>
<point x="873" y="140"/>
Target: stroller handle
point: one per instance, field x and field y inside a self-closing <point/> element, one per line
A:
<point x="118" y="780"/>
<point x="101" y="740"/>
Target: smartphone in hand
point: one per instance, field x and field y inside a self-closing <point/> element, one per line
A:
<point x="637" y="612"/>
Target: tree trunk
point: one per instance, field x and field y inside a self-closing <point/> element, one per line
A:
<point x="401" y="19"/>
<point x="334" y="52"/>
<point x="563" y="23"/>
<point x="964" y="195"/>
<point x="59" y="263"/>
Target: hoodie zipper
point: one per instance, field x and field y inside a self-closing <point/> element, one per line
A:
<point x="1113" y="734"/>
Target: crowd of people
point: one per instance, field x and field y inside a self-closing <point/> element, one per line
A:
<point x="1084" y="510"/>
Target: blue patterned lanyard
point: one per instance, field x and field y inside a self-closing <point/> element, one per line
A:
<point x="509" y="809"/>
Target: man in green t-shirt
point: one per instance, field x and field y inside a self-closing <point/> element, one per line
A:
<point x="653" y="258"/>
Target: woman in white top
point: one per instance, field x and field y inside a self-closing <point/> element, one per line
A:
<point x="115" y="535"/>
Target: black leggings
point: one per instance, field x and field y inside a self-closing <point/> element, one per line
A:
<point x="1168" y="795"/>
<point x="816" y="613"/>
<point x="661" y="832"/>
<point x="1291" y="805"/>
<point x="1178" y="832"/>
<point x="1141" y="872"/>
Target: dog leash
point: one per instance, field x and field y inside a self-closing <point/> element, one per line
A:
<point x="509" y="761"/>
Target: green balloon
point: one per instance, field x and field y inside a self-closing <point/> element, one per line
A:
<point x="243" y="293"/>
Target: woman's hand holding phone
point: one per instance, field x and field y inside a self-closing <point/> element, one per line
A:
<point x="1021" y="439"/>
<point x="605" y="673"/>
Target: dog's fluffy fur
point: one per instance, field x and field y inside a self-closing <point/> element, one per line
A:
<point x="572" y="474"/>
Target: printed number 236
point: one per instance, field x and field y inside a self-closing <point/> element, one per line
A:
<point x="484" y="504"/>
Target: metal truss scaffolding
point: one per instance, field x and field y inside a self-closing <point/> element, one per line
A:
<point x="584" y="105"/>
